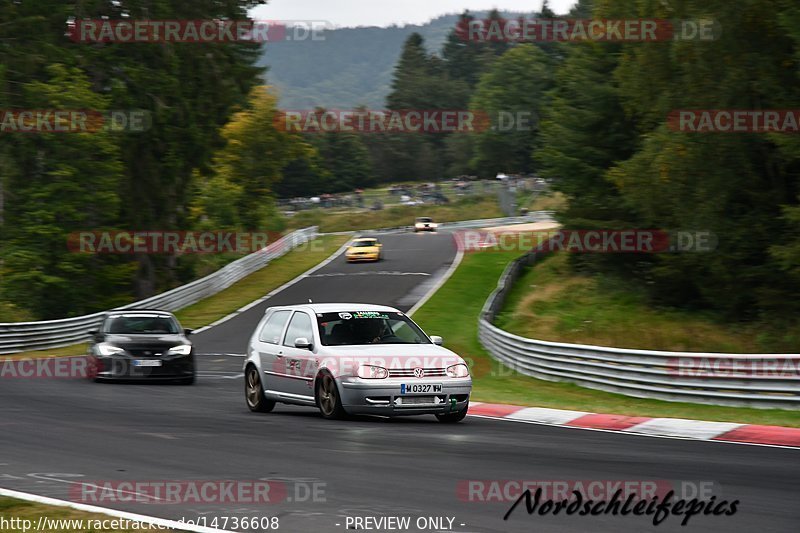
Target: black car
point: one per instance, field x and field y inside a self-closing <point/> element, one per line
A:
<point x="141" y="345"/>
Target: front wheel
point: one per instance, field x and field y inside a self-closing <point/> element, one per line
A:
<point x="328" y="399"/>
<point x="453" y="418"/>
<point x="254" y="395"/>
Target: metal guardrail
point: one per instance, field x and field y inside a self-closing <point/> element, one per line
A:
<point x="21" y="336"/>
<point x="535" y="216"/>
<point x="742" y="380"/>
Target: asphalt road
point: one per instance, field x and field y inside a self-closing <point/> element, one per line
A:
<point x="411" y="263"/>
<point x="54" y="433"/>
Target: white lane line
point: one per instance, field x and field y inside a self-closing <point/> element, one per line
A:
<point x="286" y="285"/>
<point x="679" y="427"/>
<point x="133" y="517"/>
<point x="369" y="273"/>
<point x="50" y="477"/>
<point x="164" y="436"/>
<point x="438" y="285"/>
<point x="545" y="415"/>
<point x="210" y="374"/>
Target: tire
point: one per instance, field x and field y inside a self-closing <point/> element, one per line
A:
<point x="328" y="398"/>
<point x="254" y="394"/>
<point x="453" y="418"/>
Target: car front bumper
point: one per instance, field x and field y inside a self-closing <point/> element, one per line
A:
<point x="123" y="368"/>
<point x="363" y="257"/>
<point x="383" y="397"/>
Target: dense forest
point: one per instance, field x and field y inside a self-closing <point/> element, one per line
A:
<point x="215" y="156"/>
<point x="346" y="67"/>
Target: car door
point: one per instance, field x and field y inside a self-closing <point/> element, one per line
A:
<point x="270" y="351"/>
<point x="300" y="364"/>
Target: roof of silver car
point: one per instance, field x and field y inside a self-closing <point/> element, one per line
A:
<point x="333" y="307"/>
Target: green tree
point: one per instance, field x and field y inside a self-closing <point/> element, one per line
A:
<point x="583" y="133"/>
<point x="191" y="91"/>
<point x="730" y="184"/>
<point x="247" y="168"/>
<point x="60" y="183"/>
<point x="510" y="94"/>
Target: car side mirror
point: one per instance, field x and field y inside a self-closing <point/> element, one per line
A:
<point x="302" y="343"/>
<point x="188" y="331"/>
<point x="437" y="340"/>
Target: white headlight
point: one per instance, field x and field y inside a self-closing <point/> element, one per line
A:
<point x="458" y="371"/>
<point x="106" y="349"/>
<point x="183" y="349"/>
<point x="372" y="372"/>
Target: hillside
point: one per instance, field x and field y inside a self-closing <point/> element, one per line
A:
<point x="351" y="67"/>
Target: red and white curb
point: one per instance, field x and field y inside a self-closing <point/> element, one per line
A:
<point x="654" y="427"/>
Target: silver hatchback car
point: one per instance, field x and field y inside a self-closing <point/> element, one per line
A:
<point x="353" y="359"/>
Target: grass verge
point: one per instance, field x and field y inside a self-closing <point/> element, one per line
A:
<point x="61" y="519"/>
<point x="66" y="351"/>
<point x="239" y="294"/>
<point x="453" y="313"/>
<point x="330" y="220"/>
<point x="551" y="302"/>
<point x="545" y="201"/>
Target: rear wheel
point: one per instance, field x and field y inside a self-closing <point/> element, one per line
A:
<point x="328" y="399"/>
<point x="254" y="394"/>
<point x="452" y="418"/>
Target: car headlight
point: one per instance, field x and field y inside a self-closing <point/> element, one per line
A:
<point x="107" y="350"/>
<point x="372" y="372"/>
<point x="458" y="371"/>
<point x="181" y="349"/>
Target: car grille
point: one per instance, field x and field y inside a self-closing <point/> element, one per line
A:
<point x="405" y="401"/>
<point x="409" y="372"/>
<point x="151" y="351"/>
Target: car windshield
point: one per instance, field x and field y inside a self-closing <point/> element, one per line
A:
<point x="364" y="244"/>
<point x="424" y="220"/>
<point x="142" y="324"/>
<point x="352" y="328"/>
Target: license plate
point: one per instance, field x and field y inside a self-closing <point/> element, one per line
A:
<point x="147" y="362"/>
<point x="420" y="388"/>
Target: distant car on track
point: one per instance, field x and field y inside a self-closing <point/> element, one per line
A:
<point x="353" y="359"/>
<point x="141" y="345"/>
<point x="425" y="224"/>
<point x="364" y="249"/>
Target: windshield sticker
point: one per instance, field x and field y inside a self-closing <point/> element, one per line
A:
<point x="345" y="316"/>
<point x="370" y="314"/>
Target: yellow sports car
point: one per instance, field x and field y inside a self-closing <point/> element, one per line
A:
<point x="366" y="249"/>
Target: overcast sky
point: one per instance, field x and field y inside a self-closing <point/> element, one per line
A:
<point x="387" y="12"/>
